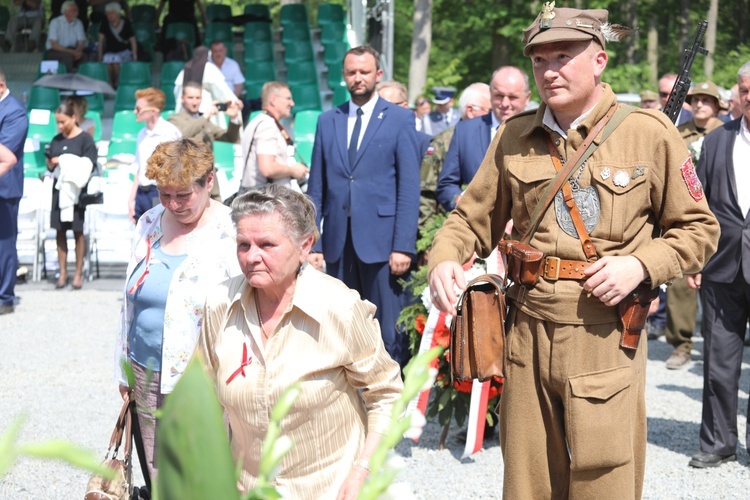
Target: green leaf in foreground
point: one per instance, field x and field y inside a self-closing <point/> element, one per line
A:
<point x="70" y="453"/>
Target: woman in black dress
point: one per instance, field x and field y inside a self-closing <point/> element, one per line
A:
<point x="116" y="42"/>
<point x="70" y="141"/>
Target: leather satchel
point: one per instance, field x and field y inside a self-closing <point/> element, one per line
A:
<point x="478" y="330"/>
<point x="121" y="487"/>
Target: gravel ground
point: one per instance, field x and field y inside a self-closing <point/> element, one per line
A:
<point x="56" y="367"/>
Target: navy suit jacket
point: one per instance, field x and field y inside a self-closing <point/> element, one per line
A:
<point x="378" y="196"/>
<point x="14" y="125"/>
<point x="470" y="142"/>
<point x="424" y="143"/>
<point x="716" y="173"/>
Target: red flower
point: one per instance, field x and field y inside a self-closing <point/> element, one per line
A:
<point x="419" y="323"/>
<point x="441" y="336"/>
<point x="496" y="387"/>
<point x="464" y="386"/>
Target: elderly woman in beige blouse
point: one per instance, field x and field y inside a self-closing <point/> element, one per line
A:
<point x="284" y="322"/>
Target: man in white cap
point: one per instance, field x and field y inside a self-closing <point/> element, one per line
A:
<point x="573" y="411"/>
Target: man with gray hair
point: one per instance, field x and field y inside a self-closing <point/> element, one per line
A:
<point x="509" y="95"/>
<point x="473" y="103"/>
<point x="725" y="282"/>
<point x="66" y="37"/>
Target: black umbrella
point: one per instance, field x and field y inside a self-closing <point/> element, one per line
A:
<point x="74" y="81"/>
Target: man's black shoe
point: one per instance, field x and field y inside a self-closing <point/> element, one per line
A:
<point x="703" y="460"/>
<point x="6" y="308"/>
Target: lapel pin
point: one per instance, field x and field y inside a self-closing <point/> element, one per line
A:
<point x="380" y="116"/>
<point x="606" y="173"/>
<point x="639" y="171"/>
<point x="621" y="179"/>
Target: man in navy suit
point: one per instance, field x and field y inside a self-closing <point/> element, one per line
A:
<point x="509" y="95"/>
<point x="725" y="282"/>
<point x="13" y="127"/>
<point x="364" y="181"/>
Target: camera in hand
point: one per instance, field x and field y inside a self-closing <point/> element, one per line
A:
<point x="222" y="106"/>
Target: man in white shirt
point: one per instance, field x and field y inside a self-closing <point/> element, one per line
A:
<point x="66" y="37"/>
<point x="228" y="66"/>
<point x="268" y="150"/>
<point x="148" y="107"/>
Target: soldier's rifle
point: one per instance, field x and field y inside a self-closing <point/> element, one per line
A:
<point x="682" y="84"/>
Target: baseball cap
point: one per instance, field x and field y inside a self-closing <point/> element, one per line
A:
<point x="570" y="25"/>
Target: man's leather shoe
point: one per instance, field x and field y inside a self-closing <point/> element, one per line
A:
<point x="678" y="359"/>
<point x="704" y="459"/>
<point x="6" y="308"/>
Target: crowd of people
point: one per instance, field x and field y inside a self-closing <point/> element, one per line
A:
<point x="282" y="286"/>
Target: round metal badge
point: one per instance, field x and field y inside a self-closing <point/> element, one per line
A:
<point x="587" y="201"/>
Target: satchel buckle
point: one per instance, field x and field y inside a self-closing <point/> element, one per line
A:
<point x="556" y="266"/>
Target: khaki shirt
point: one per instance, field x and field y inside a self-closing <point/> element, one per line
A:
<point x="516" y="170"/>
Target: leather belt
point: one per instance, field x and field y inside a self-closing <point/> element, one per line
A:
<point x="556" y="268"/>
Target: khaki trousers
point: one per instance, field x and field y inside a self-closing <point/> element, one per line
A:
<point x="682" y="308"/>
<point x="573" y="412"/>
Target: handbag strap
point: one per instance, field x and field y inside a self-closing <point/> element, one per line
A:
<point x="121" y="426"/>
<point x="611" y="120"/>
<point x="570" y="202"/>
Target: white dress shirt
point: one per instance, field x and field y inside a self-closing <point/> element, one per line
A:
<point x="146" y="143"/>
<point x="367" y="110"/>
<point x="66" y="34"/>
<point x="231" y="71"/>
<point x="495" y="125"/>
<point x="741" y="159"/>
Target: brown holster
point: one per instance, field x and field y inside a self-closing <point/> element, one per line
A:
<point x="524" y="262"/>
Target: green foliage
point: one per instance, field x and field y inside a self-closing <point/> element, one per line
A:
<point x="727" y="64"/>
<point x="54" y="450"/>
<point x="195" y="460"/>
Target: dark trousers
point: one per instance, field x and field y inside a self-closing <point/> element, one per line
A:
<point x="8" y="253"/>
<point x="682" y="309"/>
<point x="145" y="199"/>
<point x="67" y="59"/>
<point x="726" y="307"/>
<point x="375" y="283"/>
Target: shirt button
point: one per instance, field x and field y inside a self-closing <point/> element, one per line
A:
<point x="351" y="179"/>
<point x="557" y="142"/>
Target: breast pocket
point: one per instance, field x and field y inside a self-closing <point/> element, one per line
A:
<point x="623" y="194"/>
<point x="529" y="181"/>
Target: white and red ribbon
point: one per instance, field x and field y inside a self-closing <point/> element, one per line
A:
<point x="480" y="392"/>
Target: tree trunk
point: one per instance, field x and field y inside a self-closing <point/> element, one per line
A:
<point x="684" y="22"/>
<point x="632" y="41"/>
<point x="500" y="47"/>
<point x="652" y="50"/>
<point x="741" y="20"/>
<point x="421" y="42"/>
<point x="710" y="45"/>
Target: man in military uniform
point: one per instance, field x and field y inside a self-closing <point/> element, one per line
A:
<point x="474" y="102"/>
<point x="650" y="100"/>
<point x="682" y="301"/>
<point x="445" y="115"/>
<point x="573" y="413"/>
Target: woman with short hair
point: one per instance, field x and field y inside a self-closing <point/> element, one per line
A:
<point x="284" y="322"/>
<point x="182" y="247"/>
<point x="117" y="42"/>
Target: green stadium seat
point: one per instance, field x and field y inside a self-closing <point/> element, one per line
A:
<point x="182" y="32"/>
<point x="125" y="97"/>
<point x="257" y="32"/>
<point x="303" y="72"/>
<point x="169" y="71"/>
<point x="257" y="9"/>
<point x="224" y="157"/>
<point x="170" y="103"/>
<point x="330" y="13"/>
<point x="258" y="51"/>
<point x="295" y="32"/>
<point x="43" y="98"/>
<point x="143" y="13"/>
<point x="125" y="126"/>
<point x="43" y="132"/>
<point x="95" y="70"/>
<point x="253" y="115"/>
<point x="304" y="151"/>
<point x="253" y="89"/>
<point x="34" y="164"/>
<point x="260" y="73"/>
<point x="293" y="13"/>
<point x="334" y="55"/>
<point x="145" y="35"/>
<point x="306" y="98"/>
<point x="295" y="52"/>
<point x="332" y="33"/>
<point x="220" y="31"/>
<point x="135" y="73"/>
<point x="305" y="124"/>
<point x="335" y="78"/>
<point x="121" y="147"/>
<point x="93" y="33"/>
<point x="96" y="116"/>
<point x="96" y="102"/>
<point x="218" y="12"/>
<point x="340" y="95"/>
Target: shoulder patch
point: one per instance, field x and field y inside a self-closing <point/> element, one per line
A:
<point x="430" y="150"/>
<point x="691" y="179"/>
